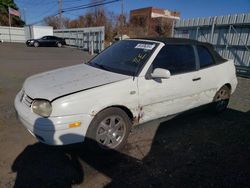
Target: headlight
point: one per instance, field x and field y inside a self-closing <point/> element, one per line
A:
<point x="42" y="107"/>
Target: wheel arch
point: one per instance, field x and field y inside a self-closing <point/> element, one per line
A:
<point x="124" y="108"/>
<point x="228" y="85"/>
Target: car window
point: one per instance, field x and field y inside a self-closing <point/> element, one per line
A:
<point x="53" y="38"/>
<point x="176" y="58"/>
<point x="44" y="38"/>
<point x="125" y="57"/>
<point x="205" y="57"/>
<point x="50" y="38"/>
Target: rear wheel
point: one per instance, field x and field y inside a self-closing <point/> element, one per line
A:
<point x="221" y="99"/>
<point x="36" y="44"/>
<point x="109" y="130"/>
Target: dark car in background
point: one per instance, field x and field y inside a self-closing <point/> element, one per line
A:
<point x="46" y="41"/>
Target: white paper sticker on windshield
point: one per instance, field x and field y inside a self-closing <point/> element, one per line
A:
<point x="145" y="46"/>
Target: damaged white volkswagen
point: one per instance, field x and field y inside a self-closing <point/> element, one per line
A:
<point x="131" y="82"/>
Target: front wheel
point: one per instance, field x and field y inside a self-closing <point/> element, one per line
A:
<point x="109" y="130"/>
<point x="221" y="99"/>
<point x="36" y="44"/>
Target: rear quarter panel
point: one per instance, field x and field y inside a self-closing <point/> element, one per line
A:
<point x="214" y="77"/>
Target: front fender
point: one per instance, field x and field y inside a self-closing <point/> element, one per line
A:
<point x="96" y="99"/>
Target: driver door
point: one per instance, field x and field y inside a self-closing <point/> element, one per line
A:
<point x="162" y="97"/>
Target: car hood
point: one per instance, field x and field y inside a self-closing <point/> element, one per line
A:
<point x="56" y="83"/>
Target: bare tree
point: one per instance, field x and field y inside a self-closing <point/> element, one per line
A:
<point x="138" y="26"/>
<point x="96" y="16"/>
<point x="54" y="21"/>
<point x="163" y="27"/>
<point x="121" y="26"/>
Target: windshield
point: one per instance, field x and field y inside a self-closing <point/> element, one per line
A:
<point x="124" y="57"/>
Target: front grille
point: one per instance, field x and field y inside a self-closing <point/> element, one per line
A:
<point x="27" y="100"/>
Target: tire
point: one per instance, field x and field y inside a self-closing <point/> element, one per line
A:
<point x="59" y="45"/>
<point x="221" y="99"/>
<point x="109" y="130"/>
<point x="36" y="44"/>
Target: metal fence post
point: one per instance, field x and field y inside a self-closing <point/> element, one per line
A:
<point x="173" y="26"/>
<point x="228" y="41"/>
<point x="197" y="33"/>
<point x="212" y="30"/>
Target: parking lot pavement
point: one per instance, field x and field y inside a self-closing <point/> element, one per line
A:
<point x="17" y="62"/>
<point x="195" y="149"/>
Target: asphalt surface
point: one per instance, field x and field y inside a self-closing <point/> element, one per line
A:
<point x="195" y="149"/>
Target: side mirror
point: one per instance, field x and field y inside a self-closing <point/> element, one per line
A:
<point x="160" y="73"/>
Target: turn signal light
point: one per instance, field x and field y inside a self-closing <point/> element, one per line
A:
<point x="76" y="124"/>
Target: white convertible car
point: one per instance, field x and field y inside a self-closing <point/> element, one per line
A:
<point x="131" y="82"/>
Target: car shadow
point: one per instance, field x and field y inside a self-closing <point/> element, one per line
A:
<point x="194" y="149"/>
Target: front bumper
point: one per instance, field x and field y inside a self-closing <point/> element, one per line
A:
<point x="52" y="130"/>
<point x="29" y="43"/>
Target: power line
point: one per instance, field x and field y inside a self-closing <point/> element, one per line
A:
<point x="81" y="7"/>
<point x="71" y="1"/>
<point x="92" y="3"/>
<point x="89" y="5"/>
<point x="70" y="14"/>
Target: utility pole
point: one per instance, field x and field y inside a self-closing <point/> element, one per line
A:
<point x="122" y="18"/>
<point x="60" y="13"/>
<point x="10" y="23"/>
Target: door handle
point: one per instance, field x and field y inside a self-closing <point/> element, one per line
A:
<point x="196" y="79"/>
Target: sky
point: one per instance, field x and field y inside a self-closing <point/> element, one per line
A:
<point x="34" y="11"/>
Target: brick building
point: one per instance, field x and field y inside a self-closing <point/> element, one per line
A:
<point x="152" y="22"/>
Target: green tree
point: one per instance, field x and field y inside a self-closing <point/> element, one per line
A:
<point x="4" y="15"/>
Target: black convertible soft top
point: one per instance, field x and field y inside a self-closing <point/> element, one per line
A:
<point x="209" y="46"/>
